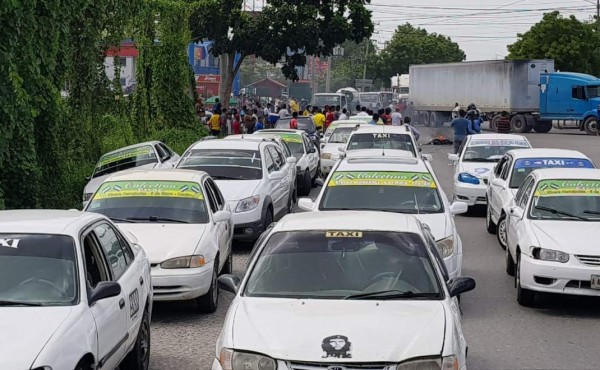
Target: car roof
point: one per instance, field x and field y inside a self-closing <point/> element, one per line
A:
<point x="567" y="174"/>
<point x="378" y="129"/>
<point x="227" y="144"/>
<point x="546" y="152"/>
<point x="349" y="220"/>
<point x="41" y="221"/>
<point x="382" y="163"/>
<point x="146" y="143"/>
<point x="497" y="137"/>
<point x="171" y="174"/>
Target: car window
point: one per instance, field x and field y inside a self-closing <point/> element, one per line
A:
<point x="500" y="166"/>
<point x="282" y="158"/>
<point x="526" y="194"/>
<point x="212" y="201"/>
<point x="166" y="149"/>
<point x="216" y="192"/>
<point x="436" y="253"/>
<point x="269" y="162"/>
<point x="225" y="164"/>
<point x="112" y="248"/>
<point x="161" y="153"/>
<point x="125" y="159"/>
<point x="521" y="190"/>
<point x="276" y="158"/>
<point x="506" y="169"/>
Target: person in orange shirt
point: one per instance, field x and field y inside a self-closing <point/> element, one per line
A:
<point x="294" y="121"/>
<point x="330" y="117"/>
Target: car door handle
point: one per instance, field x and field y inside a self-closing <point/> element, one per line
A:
<point x="121" y="303"/>
<point x="141" y="280"/>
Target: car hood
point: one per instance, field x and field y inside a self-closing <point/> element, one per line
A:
<point x="573" y="237"/>
<point x="95" y="183"/>
<point x="333" y="148"/>
<point x="438" y="223"/>
<point x="478" y="169"/>
<point x="165" y="241"/>
<point x="234" y="190"/>
<point x="378" y="152"/>
<point x="380" y="331"/>
<point x="25" y="332"/>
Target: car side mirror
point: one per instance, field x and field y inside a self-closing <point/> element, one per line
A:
<point x="342" y="150"/>
<point x="229" y="283"/>
<point x="460" y="285"/>
<point x="291" y="160"/>
<point x="306" y="204"/>
<point x="312" y="150"/>
<point x="319" y="182"/>
<point x="458" y="208"/>
<point x="516" y="212"/>
<point x="453" y="157"/>
<point x="498" y="182"/>
<point x="87" y="178"/>
<point x="221" y="216"/>
<point x="104" y="289"/>
<point x="427" y="157"/>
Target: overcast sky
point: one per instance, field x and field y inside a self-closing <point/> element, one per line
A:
<point x="482" y="28"/>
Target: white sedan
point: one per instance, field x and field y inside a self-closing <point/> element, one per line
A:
<point x="475" y="160"/>
<point x="553" y="234"/>
<point x="337" y="139"/>
<point x="184" y="224"/>
<point x="334" y="290"/>
<point x="75" y="293"/>
<point x="510" y="172"/>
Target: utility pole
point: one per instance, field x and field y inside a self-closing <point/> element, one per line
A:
<point x="328" y="77"/>
<point x="597" y="15"/>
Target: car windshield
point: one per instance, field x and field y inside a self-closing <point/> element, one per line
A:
<point x="151" y="201"/>
<point x="593" y="92"/>
<point x="487" y="150"/>
<point x="575" y="200"/>
<point x="402" y="192"/>
<point x="322" y="100"/>
<point x="524" y="166"/>
<point x="225" y="164"/>
<point x="124" y="160"/>
<point x="369" y="98"/>
<point x="340" y="135"/>
<point x="360" y="141"/>
<point x="387" y="99"/>
<point x="338" y="264"/>
<point x="37" y="270"/>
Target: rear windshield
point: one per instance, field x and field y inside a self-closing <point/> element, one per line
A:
<point x="225" y="164"/>
<point x="124" y="160"/>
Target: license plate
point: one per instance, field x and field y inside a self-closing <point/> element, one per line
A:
<point x="595" y="283"/>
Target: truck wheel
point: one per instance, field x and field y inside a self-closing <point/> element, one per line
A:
<point x="530" y="122"/>
<point x="494" y="122"/>
<point x="425" y="118"/>
<point x="433" y="119"/>
<point x="541" y="127"/>
<point x="590" y="125"/>
<point x="519" y="123"/>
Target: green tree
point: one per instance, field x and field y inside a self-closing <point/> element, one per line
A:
<point x="571" y="43"/>
<point x="284" y="31"/>
<point x="414" y="45"/>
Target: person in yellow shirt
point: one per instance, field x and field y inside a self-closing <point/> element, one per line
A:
<point x="306" y="112"/>
<point x="318" y="118"/>
<point x="215" y="124"/>
<point x="294" y="107"/>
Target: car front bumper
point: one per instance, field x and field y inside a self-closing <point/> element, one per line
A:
<point x="181" y="284"/>
<point x="470" y="193"/>
<point x="571" y="277"/>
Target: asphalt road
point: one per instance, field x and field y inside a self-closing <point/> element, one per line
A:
<point x="563" y="333"/>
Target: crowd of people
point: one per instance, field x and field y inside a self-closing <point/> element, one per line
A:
<point x="469" y="121"/>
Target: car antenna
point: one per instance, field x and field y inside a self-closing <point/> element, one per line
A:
<point x="383" y="147"/>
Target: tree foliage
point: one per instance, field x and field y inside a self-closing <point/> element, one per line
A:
<point x="283" y="31"/>
<point x="571" y="43"/>
<point x="414" y="45"/>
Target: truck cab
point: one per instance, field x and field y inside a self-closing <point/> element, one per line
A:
<point x="330" y="99"/>
<point x="570" y="96"/>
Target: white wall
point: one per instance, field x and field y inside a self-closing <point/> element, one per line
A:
<point x="127" y="70"/>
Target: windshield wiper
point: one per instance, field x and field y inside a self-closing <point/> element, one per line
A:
<point x="590" y="212"/>
<point x="19" y="303"/>
<point x="117" y="219"/>
<point x="391" y="294"/>
<point x="158" y="219"/>
<point x="559" y="212"/>
<point x="480" y="160"/>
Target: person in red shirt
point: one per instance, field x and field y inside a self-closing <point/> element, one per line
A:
<point x="294" y="121"/>
<point x="236" y="127"/>
<point x="329" y="117"/>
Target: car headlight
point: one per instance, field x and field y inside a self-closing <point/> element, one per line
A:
<point x="248" y="204"/>
<point x="468" y="178"/>
<point x="184" y="262"/>
<point x="446" y="246"/>
<point x="549" y="255"/>
<point x="87" y="196"/>
<point x="325" y="155"/>
<point x="444" y="363"/>
<point x="233" y="360"/>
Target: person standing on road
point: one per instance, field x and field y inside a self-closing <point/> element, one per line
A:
<point x="329" y="117"/>
<point x="503" y="123"/>
<point x="236" y="126"/>
<point x="376" y="120"/>
<point x="283" y="112"/>
<point x="268" y="110"/>
<point x="344" y="115"/>
<point x="414" y="131"/>
<point x="249" y="123"/>
<point x="307" y="110"/>
<point x="363" y="112"/>
<point x="460" y="126"/>
<point x="319" y="119"/>
<point x="387" y="118"/>
<point x="215" y="124"/>
<point x="455" y="111"/>
<point x="259" y="124"/>
<point x="217" y="107"/>
<point x="294" y="121"/>
<point x="397" y="117"/>
<point x="474" y="127"/>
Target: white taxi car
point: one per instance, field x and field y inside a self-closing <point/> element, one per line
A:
<point x="389" y="184"/>
<point x="552" y="237"/>
<point x="377" y="139"/>
<point x="253" y="177"/>
<point x="333" y="125"/>
<point x="334" y="290"/>
<point x="510" y="172"/>
<point x="305" y="152"/>
<point x="151" y="154"/>
<point x="476" y="158"/>
<point x="331" y="145"/>
<point x="183" y="223"/>
<point x="75" y="293"/>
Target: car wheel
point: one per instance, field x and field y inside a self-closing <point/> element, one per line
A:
<point x="83" y="365"/>
<point x="208" y="302"/>
<point x="501" y="231"/>
<point x="317" y="174"/>
<point x="306" y="182"/>
<point x="228" y="268"/>
<point x="510" y="263"/>
<point x="525" y="297"/>
<point x="489" y="224"/>
<point x="291" y="202"/>
<point x="268" y="218"/>
<point x="139" y="357"/>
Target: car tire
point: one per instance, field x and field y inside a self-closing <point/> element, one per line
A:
<point x="525" y="297"/>
<point x="317" y="174"/>
<point x="228" y="268"/>
<point x="489" y="224"/>
<point x="291" y="202"/>
<point x="306" y="183"/>
<point x="139" y="357"/>
<point x="208" y="302"/>
<point x="510" y="263"/>
<point x="501" y="232"/>
<point x="84" y="365"/>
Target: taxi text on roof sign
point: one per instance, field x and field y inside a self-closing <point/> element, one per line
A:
<point x="131" y="153"/>
<point x="553" y="162"/>
<point x="366" y="178"/>
<point x="168" y="189"/>
<point x="499" y="142"/>
<point x="343" y="234"/>
<point x="547" y="188"/>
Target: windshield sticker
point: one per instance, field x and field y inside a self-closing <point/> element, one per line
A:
<point x="548" y="188"/>
<point x="9" y="243"/>
<point x="143" y="151"/>
<point x="343" y="234"/>
<point x="409" y="179"/>
<point x="168" y="189"/>
<point x="291" y="138"/>
<point x="499" y="142"/>
<point x="336" y="346"/>
<point x="552" y="162"/>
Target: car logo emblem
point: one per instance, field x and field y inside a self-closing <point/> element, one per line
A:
<point x="335" y="367"/>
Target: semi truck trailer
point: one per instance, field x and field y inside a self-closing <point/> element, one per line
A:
<point x="532" y="93"/>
